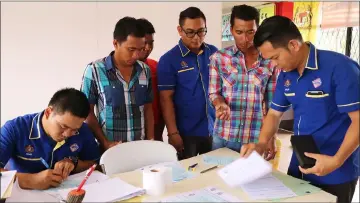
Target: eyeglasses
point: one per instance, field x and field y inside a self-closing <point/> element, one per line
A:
<point x="190" y="34"/>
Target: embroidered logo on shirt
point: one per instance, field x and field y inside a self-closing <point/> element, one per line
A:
<point x="29" y="150"/>
<point x="287" y="83"/>
<point x="74" y="147"/>
<point x="317" y="82"/>
<point x="184" y="64"/>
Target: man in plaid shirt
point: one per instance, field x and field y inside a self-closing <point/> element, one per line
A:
<point x="241" y="85"/>
<point x="119" y="89"/>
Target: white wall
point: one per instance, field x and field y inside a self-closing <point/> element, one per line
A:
<point x="45" y="46"/>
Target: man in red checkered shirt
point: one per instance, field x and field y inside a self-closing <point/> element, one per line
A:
<point x="241" y="85"/>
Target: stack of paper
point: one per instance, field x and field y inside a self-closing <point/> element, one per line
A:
<point x="110" y="190"/>
<point x="245" y="170"/>
<point x="7" y="182"/>
<point x="267" y="187"/>
<point x="75" y="180"/>
<point x="209" y="194"/>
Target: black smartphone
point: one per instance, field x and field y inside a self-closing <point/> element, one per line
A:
<point x="302" y="144"/>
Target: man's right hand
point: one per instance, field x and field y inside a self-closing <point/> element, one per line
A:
<point x="247" y="149"/>
<point x="222" y="111"/>
<point x="176" y="141"/>
<point x="46" y="179"/>
<point x="108" y="144"/>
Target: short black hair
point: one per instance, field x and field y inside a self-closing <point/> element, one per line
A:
<point x="278" y="30"/>
<point x="192" y="13"/>
<point x="70" y="100"/>
<point x="148" y="27"/>
<point x="244" y="12"/>
<point x="128" y="26"/>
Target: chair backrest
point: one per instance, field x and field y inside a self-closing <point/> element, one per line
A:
<point x="133" y="155"/>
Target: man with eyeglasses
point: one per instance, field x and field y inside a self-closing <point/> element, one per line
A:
<point x="183" y="78"/>
<point x="242" y="84"/>
<point x="44" y="148"/>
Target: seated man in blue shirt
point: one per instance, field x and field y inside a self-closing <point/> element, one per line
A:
<point x="323" y="89"/>
<point x="44" y="148"/>
<point x="183" y="80"/>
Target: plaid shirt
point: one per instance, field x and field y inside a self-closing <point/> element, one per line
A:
<point x="247" y="91"/>
<point x="119" y="106"/>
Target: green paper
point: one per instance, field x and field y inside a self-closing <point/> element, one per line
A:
<point x="299" y="187"/>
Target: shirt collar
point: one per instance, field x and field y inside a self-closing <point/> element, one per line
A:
<point x="185" y="51"/>
<point x="109" y="63"/>
<point x="36" y="129"/>
<point x="312" y="57"/>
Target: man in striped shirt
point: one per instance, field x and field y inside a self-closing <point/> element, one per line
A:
<point x="241" y="85"/>
<point x="120" y="87"/>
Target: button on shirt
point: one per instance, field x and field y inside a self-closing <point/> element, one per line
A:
<point x="24" y="143"/>
<point x="247" y="90"/>
<point x="187" y="74"/>
<point x="120" y="106"/>
<point x="324" y="116"/>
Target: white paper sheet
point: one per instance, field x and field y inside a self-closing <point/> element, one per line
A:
<point x="21" y="195"/>
<point x="209" y="194"/>
<point x="267" y="187"/>
<point x="245" y="170"/>
<point x="75" y="180"/>
<point x="109" y="190"/>
<point x="7" y="177"/>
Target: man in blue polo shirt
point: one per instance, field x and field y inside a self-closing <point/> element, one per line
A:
<point x="183" y="78"/>
<point x="44" y="148"/>
<point x="323" y="89"/>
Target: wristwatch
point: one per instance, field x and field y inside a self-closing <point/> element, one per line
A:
<point x="75" y="160"/>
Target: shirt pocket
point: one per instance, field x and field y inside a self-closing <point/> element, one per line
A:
<point x="229" y="75"/>
<point x="114" y="95"/>
<point x="260" y="78"/>
<point x="140" y="94"/>
<point x="187" y="78"/>
<point x="317" y="110"/>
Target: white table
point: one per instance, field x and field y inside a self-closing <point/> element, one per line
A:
<point x="210" y="178"/>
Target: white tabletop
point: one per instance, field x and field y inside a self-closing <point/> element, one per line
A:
<point x="210" y="178"/>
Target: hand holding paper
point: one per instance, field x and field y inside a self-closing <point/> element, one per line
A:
<point x="245" y="170"/>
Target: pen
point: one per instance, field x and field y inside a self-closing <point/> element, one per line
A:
<point x="88" y="173"/>
<point x="192" y="167"/>
<point x="209" y="169"/>
<point x="44" y="163"/>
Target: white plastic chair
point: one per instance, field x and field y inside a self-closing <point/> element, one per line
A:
<point x="133" y="155"/>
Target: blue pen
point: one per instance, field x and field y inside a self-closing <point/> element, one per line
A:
<point x="44" y="163"/>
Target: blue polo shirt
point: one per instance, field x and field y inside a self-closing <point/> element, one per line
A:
<point x="187" y="74"/>
<point x="24" y="143"/>
<point x="325" y="116"/>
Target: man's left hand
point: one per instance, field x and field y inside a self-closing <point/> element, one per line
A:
<point x="324" y="164"/>
<point x="64" y="167"/>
